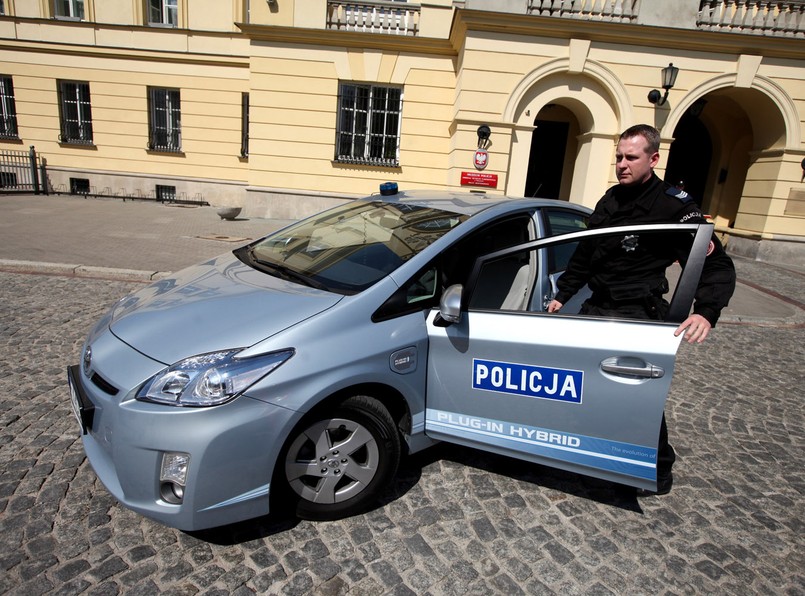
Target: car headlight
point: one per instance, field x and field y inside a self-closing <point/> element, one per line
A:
<point x="209" y="379"/>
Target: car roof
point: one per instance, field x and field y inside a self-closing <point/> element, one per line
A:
<point x="468" y="202"/>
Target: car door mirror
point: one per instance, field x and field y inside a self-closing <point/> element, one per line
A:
<point x="450" y="306"/>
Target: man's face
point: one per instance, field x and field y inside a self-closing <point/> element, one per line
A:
<point x="633" y="162"/>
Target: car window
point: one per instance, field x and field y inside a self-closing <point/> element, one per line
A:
<point x="459" y="259"/>
<point x="557" y="222"/>
<point x="455" y="264"/>
<point x="505" y="283"/>
<point x="494" y="286"/>
<point x="673" y="245"/>
<point x="350" y="247"/>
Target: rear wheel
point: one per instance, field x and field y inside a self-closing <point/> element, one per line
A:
<point x="335" y="463"/>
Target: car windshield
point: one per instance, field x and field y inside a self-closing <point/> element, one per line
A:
<point x="349" y="248"/>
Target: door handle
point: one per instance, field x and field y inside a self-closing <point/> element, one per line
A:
<point x="632" y="367"/>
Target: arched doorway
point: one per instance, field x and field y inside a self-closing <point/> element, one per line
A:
<point x="744" y="132"/>
<point x="691" y="154"/>
<point x="591" y="103"/>
<point x="554" y="147"/>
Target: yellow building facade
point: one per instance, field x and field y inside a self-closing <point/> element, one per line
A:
<point x="284" y="107"/>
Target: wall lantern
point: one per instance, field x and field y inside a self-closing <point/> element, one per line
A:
<point x="668" y="79"/>
<point x="483" y="136"/>
<point x="481" y="158"/>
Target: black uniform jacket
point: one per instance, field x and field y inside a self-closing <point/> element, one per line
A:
<point x="633" y="267"/>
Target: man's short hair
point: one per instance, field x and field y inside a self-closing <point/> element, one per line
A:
<point x="651" y="134"/>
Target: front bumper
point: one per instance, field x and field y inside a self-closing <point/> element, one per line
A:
<point x="232" y="447"/>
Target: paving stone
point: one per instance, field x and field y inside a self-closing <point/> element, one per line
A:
<point x="459" y="521"/>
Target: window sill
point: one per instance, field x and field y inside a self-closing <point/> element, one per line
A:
<point x="364" y="164"/>
<point x="78" y="144"/>
<point x="177" y="152"/>
<point x="10" y="139"/>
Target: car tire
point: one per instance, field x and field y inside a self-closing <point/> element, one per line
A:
<point x="336" y="462"/>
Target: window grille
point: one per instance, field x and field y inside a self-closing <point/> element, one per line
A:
<point x="79" y="186"/>
<point x="163" y="12"/>
<point x="2" y="7"/>
<point x="75" y="113"/>
<point x="368" y="124"/>
<point x="164" y="120"/>
<point x="165" y="193"/>
<point x="244" y="125"/>
<point x="69" y="9"/>
<point x="8" y="109"/>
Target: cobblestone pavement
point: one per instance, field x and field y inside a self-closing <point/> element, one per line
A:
<point x="457" y="521"/>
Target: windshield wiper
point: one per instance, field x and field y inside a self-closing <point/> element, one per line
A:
<point x="282" y="271"/>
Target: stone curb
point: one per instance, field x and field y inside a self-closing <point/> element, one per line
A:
<point x="76" y="270"/>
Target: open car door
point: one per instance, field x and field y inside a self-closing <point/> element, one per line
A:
<point x="584" y="394"/>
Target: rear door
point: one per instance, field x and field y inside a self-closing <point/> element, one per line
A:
<point x="579" y="393"/>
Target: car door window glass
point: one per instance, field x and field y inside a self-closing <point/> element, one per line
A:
<point x="678" y="243"/>
<point x="454" y="266"/>
<point x="557" y="222"/>
<point x="500" y="279"/>
<point x="505" y="283"/>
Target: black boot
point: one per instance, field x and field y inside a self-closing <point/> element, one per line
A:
<point x="664" y="485"/>
<point x="666" y="456"/>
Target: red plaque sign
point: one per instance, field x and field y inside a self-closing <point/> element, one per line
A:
<point x="479" y="179"/>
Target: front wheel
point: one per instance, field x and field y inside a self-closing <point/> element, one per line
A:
<point x="335" y="464"/>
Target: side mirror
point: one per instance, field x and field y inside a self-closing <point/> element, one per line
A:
<point x="450" y="305"/>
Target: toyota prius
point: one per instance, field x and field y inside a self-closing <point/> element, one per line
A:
<point x="300" y="368"/>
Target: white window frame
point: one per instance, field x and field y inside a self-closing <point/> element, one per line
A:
<point x="163" y="13"/>
<point x="369" y="123"/>
<point x="69" y="9"/>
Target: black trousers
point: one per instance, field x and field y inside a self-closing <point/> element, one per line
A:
<point x="652" y="309"/>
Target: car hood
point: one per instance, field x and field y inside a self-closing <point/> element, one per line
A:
<point x="217" y="305"/>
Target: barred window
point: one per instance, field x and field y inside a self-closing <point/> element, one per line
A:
<point x="8" y="109"/>
<point x="244" y="125"/>
<point x="75" y="113"/>
<point x="163" y="12"/>
<point x="2" y="7"/>
<point x="368" y="124"/>
<point x="69" y="9"/>
<point x="164" y="120"/>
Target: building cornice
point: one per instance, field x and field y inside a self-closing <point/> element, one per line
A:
<point x="465" y="21"/>
<point x="126" y="52"/>
<point x="348" y="39"/>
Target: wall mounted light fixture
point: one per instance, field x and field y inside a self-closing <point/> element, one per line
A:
<point x="668" y="79"/>
<point x="483" y="136"/>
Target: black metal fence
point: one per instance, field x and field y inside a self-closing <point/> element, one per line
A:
<point x="23" y="171"/>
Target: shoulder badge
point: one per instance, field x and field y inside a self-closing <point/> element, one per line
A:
<point x="678" y="193"/>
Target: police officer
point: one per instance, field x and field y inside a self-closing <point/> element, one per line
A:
<point x="627" y="275"/>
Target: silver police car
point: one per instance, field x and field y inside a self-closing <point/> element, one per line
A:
<point x="302" y="366"/>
